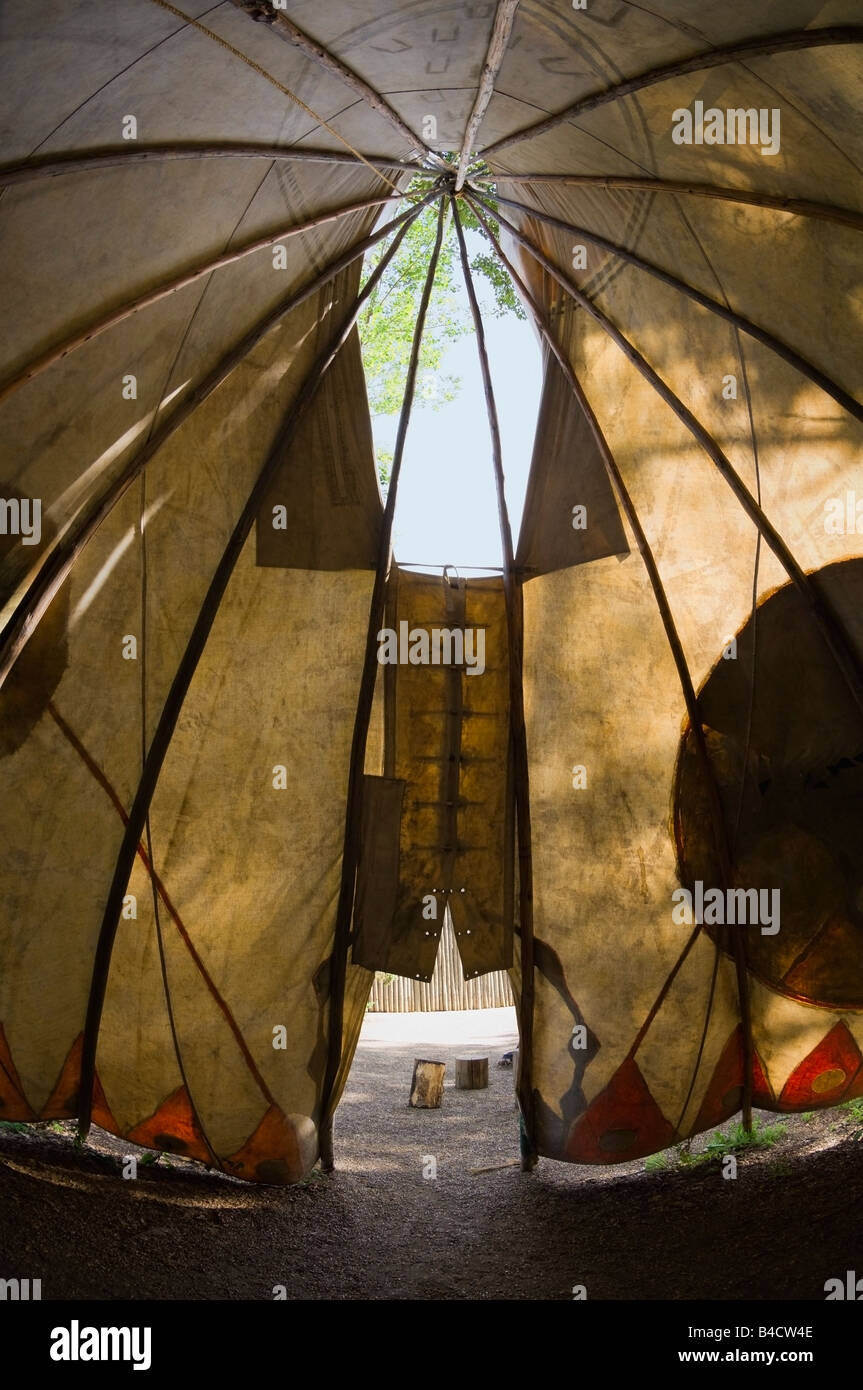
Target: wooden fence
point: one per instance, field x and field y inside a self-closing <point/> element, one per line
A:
<point x="447" y="988"/>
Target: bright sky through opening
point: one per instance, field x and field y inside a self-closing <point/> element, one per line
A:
<point x="446" y="510"/>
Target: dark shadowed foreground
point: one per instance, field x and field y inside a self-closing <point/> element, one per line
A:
<point x="378" y="1228"/>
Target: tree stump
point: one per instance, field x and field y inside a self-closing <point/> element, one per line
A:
<point x="427" y="1084"/>
<point x="471" y="1073"/>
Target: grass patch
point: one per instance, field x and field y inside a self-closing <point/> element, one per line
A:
<point x="735" y="1140"/>
<point x="854" y="1111"/>
<point x="658" y="1163"/>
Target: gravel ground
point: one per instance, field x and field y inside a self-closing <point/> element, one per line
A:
<point x="379" y="1229"/>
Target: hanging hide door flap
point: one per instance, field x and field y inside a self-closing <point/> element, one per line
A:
<point x="438" y="828"/>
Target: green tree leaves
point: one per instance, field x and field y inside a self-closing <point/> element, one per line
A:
<point x="387" y="322"/>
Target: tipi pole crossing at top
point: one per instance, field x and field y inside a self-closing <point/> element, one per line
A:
<point x="500" y="34"/>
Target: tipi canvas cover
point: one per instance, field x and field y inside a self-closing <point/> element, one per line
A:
<point x="220" y="812"/>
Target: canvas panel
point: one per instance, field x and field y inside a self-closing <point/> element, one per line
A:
<point x="609" y="852"/>
<point x="121" y="231"/>
<point x="94" y="726"/>
<point x="652" y="1078"/>
<point x="247" y="829"/>
<point x="570" y="513"/>
<point x="65" y="457"/>
<point x="326" y="516"/>
<point x="188" y="504"/>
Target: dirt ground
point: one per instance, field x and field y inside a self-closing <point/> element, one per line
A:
<point x="378" y="1228"/>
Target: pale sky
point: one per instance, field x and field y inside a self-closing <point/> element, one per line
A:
<point x="446" y="510"/>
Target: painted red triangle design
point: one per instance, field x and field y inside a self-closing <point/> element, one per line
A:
<point x="172" y="1128"/>
<point x="62" y="1104"/>
<point x="825" y="1074"/>
<point x="64" y="1100"/>
<point x="724" y="1094"/>
<point x="272" y="1154"/>
<point x="621" y="1123"/>
<point x="13" y="1103"/>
